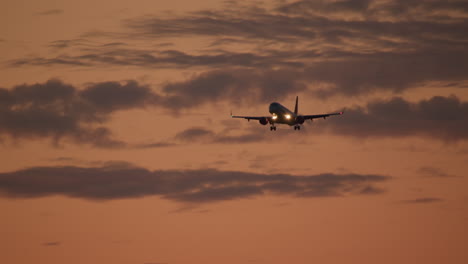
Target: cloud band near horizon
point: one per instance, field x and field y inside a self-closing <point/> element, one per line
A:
<point x="120" y="181"/>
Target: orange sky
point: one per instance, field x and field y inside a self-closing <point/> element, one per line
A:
<point x="117" y="145"/>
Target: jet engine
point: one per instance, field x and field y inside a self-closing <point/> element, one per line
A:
<point x="263" y="121"/>
<point x="300" y="119"/>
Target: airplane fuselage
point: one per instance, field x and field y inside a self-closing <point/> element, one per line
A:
<point x="281" y="114"/>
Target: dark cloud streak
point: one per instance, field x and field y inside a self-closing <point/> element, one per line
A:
<point x="189" y="186"/>
<point x="113" y="55"/>
<point x="424" y="200"/>
<point x="428" y="171"/>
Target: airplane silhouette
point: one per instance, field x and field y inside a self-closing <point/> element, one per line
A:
<point x="282" y="115"/>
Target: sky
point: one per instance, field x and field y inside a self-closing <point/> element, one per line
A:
<point x="117" y="146"/>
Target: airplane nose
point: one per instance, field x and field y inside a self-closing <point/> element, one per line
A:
<point x="272" y="107"/>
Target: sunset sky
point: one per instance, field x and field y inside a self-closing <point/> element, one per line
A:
<point x="117" y="144"/>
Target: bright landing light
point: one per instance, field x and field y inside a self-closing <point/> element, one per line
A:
<point x="274" y="117"/>
<point x="287" y="116"/>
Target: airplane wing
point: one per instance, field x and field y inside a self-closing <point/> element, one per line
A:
<point x="253" y="117"/>
<point x="320" y="116"/>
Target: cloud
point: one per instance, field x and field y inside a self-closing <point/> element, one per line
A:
<point x="203" y="135"/>
<point x="59" y="111"/>
<point x="83" y="44"/>
<point x="391" y="71"/>
<point x="428" y="171"/>
<point x="194" y="134"/>
<point x="310" y="19"/>
<point x="343" y="25"/>
<point x="390" y="11"/>
<point x="52" y="244"/>
<point x="348" y="73"/>
<point x="160" y="144"/>
<point x="117" y="56"/>
<point x="424" y="200"/>
<point x="55" y="110"/>
<point x="352" y="47"/>
<point x="442" y="118"/>
<point x="108" y="97"/>
<point x="233" y="85"/>
<point x="119" y="181"/>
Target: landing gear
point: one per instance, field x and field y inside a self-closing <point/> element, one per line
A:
<point x="297" y="127"/>
<point x="272" y="128"/>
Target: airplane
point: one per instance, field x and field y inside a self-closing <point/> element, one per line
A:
<point x="282" y="115"/>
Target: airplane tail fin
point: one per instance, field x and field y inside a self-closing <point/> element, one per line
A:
<point x="295" y="108"/>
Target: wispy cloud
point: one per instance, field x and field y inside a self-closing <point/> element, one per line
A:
<point x="52" y="244"/>
<point x="311" y="20"/>
<point x="118" y="56"/>
<point x="204" y="135"/>
<point x="359" y="46"/>
<point x="424" y="200"/>
<point x="159" y="144"/>
<point x="121" y="180"/>
<point x="428" y="171"/>
<point x="352" y="47"/>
